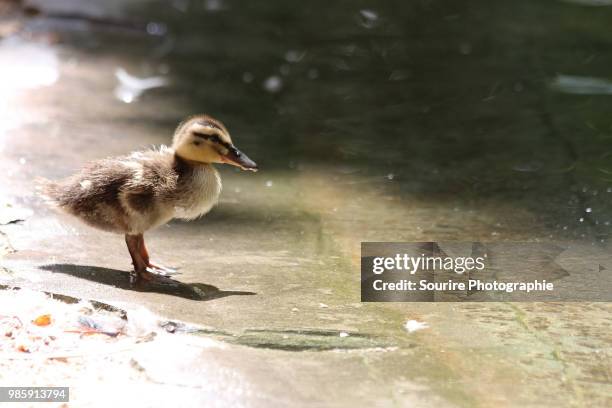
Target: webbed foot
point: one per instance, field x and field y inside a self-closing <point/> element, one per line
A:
<point x="161" y="270"/>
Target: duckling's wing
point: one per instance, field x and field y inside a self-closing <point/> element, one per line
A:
<point x="124" y="194"/>
<point x="152" y="174"/>
<point x="92" y="194"/>
<point x="145" y="193"/>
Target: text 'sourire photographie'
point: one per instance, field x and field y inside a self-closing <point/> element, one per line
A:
<point x="377" y="203"/>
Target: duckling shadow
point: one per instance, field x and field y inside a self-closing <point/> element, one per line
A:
<point x="163" y="285"/>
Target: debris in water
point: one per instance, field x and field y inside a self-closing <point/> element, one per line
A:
<point x="169" y="326"/>
<point x="580" y="85"/>
<point x="13" y="214"/>
<point x="24" y="348"/>
<point x="414" y="325"/>
<point x="273" y="84"/>
<point x="527" y="167"/>
<point x="42" y="320"/>
<point x="95" y="325"/>
<point x="68" y="325"/>
<point x="369" y="18"/>
<point x="177" y="327"/>
<point x="130" y="87"/>
<point x="157" y="29"/>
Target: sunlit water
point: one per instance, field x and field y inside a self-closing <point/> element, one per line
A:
<point x="445" y="101"/>
<point x="438" y="102"/>
<point x="23" y="66"/>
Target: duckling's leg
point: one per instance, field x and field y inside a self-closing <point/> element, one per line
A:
<point x="151" y="267"/>
<point x="134" y="243"/>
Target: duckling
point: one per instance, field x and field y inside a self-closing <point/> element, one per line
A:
<point x="135" y="193"/>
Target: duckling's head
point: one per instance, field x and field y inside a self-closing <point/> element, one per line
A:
<point x="202" y="139"/>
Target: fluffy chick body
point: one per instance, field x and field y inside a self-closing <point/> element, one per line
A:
<point x="132" y="194"/>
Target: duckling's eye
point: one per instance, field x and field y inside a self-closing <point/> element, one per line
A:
<point x="212" y="138"/>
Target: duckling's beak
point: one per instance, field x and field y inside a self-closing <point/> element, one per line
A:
<point x="236" y="158"/>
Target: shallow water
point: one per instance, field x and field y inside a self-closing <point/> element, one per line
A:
<point x="446" y="101"/>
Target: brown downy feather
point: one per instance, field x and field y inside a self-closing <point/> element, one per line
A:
<point x="131" y="194"/>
